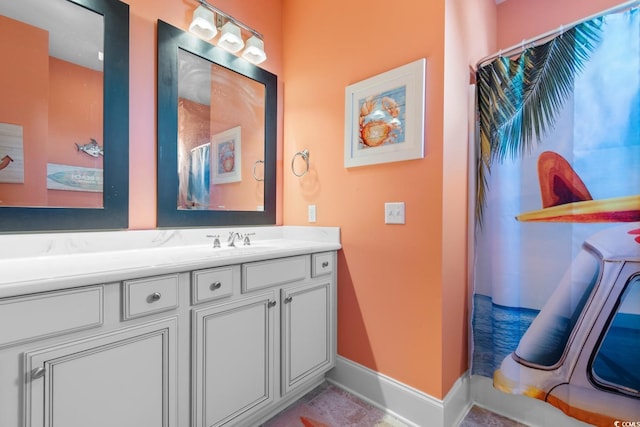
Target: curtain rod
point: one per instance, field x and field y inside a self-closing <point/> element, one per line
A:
<point x="517" y="48"/>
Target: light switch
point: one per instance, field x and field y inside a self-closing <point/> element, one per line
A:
<point x="312" y="213"/>
<point x="394" y="213"/>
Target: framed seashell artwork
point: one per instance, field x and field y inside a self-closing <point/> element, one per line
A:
<point x="384" y="117"/>
<point x="227" y="152"/>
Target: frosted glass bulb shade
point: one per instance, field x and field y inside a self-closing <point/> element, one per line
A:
<point x="231" y="38"/>
<point x="202" y="23"/>
<point x="254" y="52"/>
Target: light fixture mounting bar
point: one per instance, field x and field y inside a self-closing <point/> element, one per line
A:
<point x="231" y="18"/>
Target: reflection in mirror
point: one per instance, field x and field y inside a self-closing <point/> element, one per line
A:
<point x="63" y="114"/>
<point x="221" y="129"/>
<point x="216" y="135"/>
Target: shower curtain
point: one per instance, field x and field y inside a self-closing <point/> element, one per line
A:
<point x="556" y="301"/>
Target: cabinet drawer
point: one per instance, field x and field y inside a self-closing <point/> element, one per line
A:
<point x="211" y="284"/>
<point x="50" y="314"/>
<point x="149" y="295"/>
<point x="321" y="264"/>
<point x="258" y="275"/>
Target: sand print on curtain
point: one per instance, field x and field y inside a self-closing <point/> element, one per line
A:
<point x="556" y="304"/>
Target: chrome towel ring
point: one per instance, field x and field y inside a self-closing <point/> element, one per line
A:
<point x="254" y="170"/>
<point x="305" y="156"/>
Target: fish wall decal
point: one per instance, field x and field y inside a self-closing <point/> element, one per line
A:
<point x="5" y="162"/>
<point x="92" y="148"/>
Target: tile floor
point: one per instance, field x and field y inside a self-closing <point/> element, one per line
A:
<point x="477" y="417"/>
<point x="330" y="406"/>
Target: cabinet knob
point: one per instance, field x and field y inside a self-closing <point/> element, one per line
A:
<point x="271" y="304"/>
<point x="215" y="285"/>
<point x="325" y="264"/>
<point x="37" y="373"/>
<point x="287" y="300"/>
<point x="155" y="296"/>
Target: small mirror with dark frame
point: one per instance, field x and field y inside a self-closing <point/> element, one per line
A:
<point x="64" y="134"/>
<point x="216" y="135"/>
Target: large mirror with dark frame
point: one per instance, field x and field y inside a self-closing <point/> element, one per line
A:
<point x="64" y="115"/>
<point x="216" y="135"/>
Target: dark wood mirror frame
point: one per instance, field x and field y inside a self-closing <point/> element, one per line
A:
<point x="115" y="211"/>
<point x="170" y="40"/>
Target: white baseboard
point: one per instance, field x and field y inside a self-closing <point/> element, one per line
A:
<point x="418" y="409"/>
<point x="410" y="405"/>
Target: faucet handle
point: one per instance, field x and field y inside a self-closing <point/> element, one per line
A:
<point x="247" y="241"/>
<point x="216" y="240"/>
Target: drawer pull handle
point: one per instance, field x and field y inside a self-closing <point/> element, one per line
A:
<point x="271" y="304"/>
<point x="155" y="296"/>
<point x="325" y="264"/>
<point x="215" y="285"/>
<point x="37" y="373"/>
<point x="287" y="300"/>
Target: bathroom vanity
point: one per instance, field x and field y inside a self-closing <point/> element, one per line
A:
<point x="159" y="328"/>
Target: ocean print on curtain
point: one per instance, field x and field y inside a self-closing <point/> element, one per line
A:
<point x="556" y="304"/>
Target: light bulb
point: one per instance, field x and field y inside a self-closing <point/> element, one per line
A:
<point x="231" y="39"/>
<point x="254" y="52"/>
<point x="202" y="23"/>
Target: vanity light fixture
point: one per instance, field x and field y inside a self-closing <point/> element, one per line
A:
<point x="202" y="23"/>
<point x="231" y="39"/>
<point x="207" y="20"/>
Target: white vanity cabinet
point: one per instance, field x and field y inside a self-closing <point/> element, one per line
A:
<point x="198" y="343"/>
<point x="233" y="359"/>
<point x="270" y="336"/>
<point x="70" y="358"/>
<point x="308" y="347"/>
<point x="119" y="379"/>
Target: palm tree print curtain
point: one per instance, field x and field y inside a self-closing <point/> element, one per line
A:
<point x="556" y="303"/>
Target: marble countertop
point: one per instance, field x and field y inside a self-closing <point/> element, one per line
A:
<point x="42" y="262"/>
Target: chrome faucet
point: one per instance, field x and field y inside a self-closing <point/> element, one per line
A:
<point x="232" y="238"/>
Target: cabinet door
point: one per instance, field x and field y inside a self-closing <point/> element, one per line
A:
<point x="233" y="359"/>
<point x="124" y="379"/>
<point x="308" y="336"/>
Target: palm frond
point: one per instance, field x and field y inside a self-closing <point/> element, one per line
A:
<point x="519" y="100"/>
<point x="543" y="82"/>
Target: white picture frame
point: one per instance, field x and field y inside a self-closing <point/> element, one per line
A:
<point x="384" y="117"/>
<point x="227" y="156"/>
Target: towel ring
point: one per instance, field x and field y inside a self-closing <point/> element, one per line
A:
<point x="254" y="170"/>
<point x="305" y="156"/>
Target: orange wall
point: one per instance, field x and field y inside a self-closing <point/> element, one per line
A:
<point x="389" y="311"/>
<point x="75" y="116"/>
<point x="395" y="281"/>
<point x="519" y="20"/>
<point x="470" y="34"/>
<point x="239" y="108"/>
<point x="57" y="103"/>
<point x="24" y="82"/>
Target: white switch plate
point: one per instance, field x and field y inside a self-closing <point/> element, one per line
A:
<point x="312" y="213"/>
<point x="394" y="213"/>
